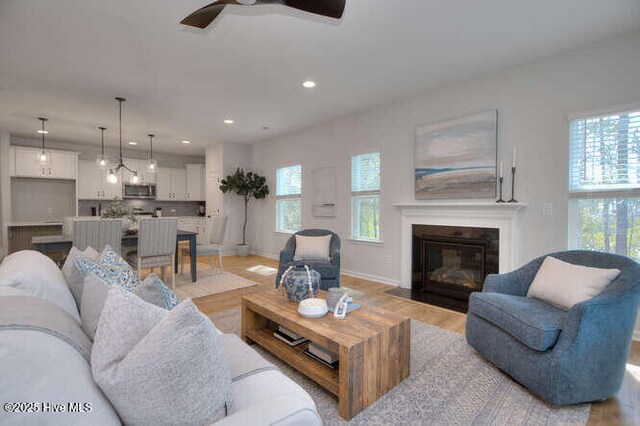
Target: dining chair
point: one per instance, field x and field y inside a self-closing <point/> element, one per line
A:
<point x="156" y="246"/>
<point x="212" y="245"/>
<point x="97" y="233"/>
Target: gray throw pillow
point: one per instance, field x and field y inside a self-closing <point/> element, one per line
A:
<point x="94" y="294"/>
<point x="154" y="291"/>
<point x="73" y="275"/>
<point x="160" y="367"/>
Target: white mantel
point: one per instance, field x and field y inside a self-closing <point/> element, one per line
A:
<point x="482" y="214"/>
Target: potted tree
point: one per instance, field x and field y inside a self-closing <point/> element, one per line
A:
<point x="247" y="185"/>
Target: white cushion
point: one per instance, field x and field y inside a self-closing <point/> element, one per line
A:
<point x="312" y="248"/>
<point x="94" y="295"/>
<point x="39" y="276"/>
<point x="72" y="274"/>
<point x="564" y="284"/>
<point x="270" y="397"/>
<point x="38" y="367"/>
<point x="158" y="366"/>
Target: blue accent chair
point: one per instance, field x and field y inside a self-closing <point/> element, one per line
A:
<point x="563" y="357"/>
<point x="329" y="270"/>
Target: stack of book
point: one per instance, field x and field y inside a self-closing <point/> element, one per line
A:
<point x="288" y="336"/>
<point x="322" y="355"/>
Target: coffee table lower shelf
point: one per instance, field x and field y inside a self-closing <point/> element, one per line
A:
<point x="321" y="374"/>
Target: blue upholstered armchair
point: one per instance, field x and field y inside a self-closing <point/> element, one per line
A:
<point x="329" y="271"/>
<point x="564" y="357"/>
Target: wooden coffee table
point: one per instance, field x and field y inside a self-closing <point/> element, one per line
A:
<point x="373" y="346"/>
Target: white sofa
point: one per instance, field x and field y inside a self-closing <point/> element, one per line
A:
<point x="38" y="368"/>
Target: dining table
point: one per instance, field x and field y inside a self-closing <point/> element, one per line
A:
<point x="55" y="243"/>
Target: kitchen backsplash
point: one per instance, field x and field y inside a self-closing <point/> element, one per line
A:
<point x="169" y="208"/>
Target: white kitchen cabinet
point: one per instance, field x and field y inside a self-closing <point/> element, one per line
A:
<point x="25" y="163"/>
<point x="163" y="184"/>
<point x="195" y="182"/>
<point x="171" y="184"/>
<point x="179" y="184"/>
<point x="195" y="224"/>
<point x="93" y="183"/>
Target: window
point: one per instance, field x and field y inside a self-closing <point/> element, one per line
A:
<point x="365" y="197"/>
<point x="604" y="183"/>
<point x="289" y="199"/>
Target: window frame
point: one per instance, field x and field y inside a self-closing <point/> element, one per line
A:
<point x="354" y="221"/>
<point x="279" y="198"/>
<point x="592" y="192"/>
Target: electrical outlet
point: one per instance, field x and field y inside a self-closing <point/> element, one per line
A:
<point x="547" y="208"/>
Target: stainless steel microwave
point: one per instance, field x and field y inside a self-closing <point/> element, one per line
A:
<point x="146" y="191"/>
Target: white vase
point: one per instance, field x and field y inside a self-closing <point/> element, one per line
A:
<point x="243" y="250"/>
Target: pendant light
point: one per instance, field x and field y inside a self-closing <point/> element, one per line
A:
<point x="101" y="160"/>
<point x="112" y="177"/>
<point x="44" y="158"/>
<point x="152" y="164"/>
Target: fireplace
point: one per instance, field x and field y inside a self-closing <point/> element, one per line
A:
<point x="451" y="262"/>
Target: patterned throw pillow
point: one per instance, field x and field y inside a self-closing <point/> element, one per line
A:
<point x="111" y="268"/>
<point x="153" y="290"/>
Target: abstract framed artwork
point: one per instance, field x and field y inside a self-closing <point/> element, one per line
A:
<point x="456" y="159"/>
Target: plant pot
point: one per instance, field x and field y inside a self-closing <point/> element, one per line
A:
<point x="243" y="250"/>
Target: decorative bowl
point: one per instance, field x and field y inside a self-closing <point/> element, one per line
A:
<point x="313" y="308"/>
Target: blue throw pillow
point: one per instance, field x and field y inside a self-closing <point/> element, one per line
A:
<point x="111" y="268"/>
<point x="154" y="291"/>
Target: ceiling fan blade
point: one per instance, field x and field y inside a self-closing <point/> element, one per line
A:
<point x="329" y="8"/>
<point x="204" y="16"/>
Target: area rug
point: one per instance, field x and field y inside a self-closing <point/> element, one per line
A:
<point x="449" y="384"/>
<point x="208" y="283"/>
<point x="265" y="271"/>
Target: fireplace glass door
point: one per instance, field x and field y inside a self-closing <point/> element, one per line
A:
<point x="449" y="264"/>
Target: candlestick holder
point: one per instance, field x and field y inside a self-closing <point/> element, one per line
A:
<point x="513" y="184"/>
<point x="500" y="200"/>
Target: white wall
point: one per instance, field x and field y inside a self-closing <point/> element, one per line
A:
<point x="5" y="189"/>
<point x="533" y="100"/>
<point x="222" y="159"/>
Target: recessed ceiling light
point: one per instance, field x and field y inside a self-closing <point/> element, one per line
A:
<point x="186" y="142"/>
<point x="43" y="132"/>
<point x="309" y="84"/>
<point x="228" y="121"/>
<point x="133" y="143"/>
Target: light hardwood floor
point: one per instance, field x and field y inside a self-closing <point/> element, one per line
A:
<point x="624" y="409"/>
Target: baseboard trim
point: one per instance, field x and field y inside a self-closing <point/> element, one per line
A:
<point x="354" y="274"/>
<point x="369" y="277"/>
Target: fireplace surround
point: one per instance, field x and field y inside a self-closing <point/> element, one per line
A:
<point x="504" y="217"/>
<point x="451" y="262"/>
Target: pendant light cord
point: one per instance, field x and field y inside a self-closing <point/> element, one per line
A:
<point x="120" y="100"/>
<point x="42" y="120"/>
<point x="102" y="129"/>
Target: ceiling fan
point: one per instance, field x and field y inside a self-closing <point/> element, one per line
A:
<point x="202" y="17"/>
